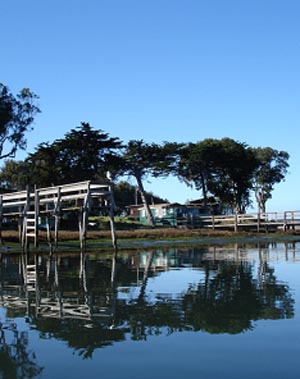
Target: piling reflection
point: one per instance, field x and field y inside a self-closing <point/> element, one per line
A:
<point x="92" y="301"/>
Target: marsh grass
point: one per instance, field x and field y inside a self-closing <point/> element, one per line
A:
<point x="148" y="234"/>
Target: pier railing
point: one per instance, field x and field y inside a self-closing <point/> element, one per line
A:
<point x="51" y="202"/>
<point x="253" y="221"/>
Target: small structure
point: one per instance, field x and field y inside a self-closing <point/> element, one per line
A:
<point x="173" y="214"/>
<point x="50" y="203"/>
<point x="209" y="207"/>
<point x="134" y="211"/>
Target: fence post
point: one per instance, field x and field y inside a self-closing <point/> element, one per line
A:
<point x="36" y="216"/>
<point x="235" y="222"/>
<point x="1" y="213"/>
<point x="111" y="217"/>
<point x="284" y="221"/>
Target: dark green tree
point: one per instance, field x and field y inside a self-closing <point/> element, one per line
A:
<point x="16" y="118"/>
<point x="222" y="168"/>
<point x="142" y="159"/>
<point x="272" y="169"/>
<point x="234" y="165"/>
<point x="138" y="162"/>
<point x="86" y="153"/>
<point x="194" y="166"/>
<point x="43" y="165"/>
<point x="14" y="175"/>
<point x="83" y="154"/>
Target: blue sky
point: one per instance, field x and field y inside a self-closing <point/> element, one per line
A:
<point x="161" y="70"/>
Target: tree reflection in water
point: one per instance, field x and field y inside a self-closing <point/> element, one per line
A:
<point x="231" y="300"/>
<point x="17" y="361"/>
<point x="78" y="298"/>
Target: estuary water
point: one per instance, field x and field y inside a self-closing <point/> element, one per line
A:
<point x="195" y="312"/>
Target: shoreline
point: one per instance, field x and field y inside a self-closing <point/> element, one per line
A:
<point x="149" y="238"/>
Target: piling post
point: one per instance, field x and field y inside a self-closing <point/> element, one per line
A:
<point x="111" y="218"/>
<point x="56" y="216"/>
<point x="1" y="215"/>
<point x="285" y="227"/>
<point x="113" y="229"/>
<point x="36" y="217"/>
<point x="258" y="222"/>
<point x="25" y="210"/>
<point x="48" y="228"/>
<point x="235" y="222"/>
<point x="293" y="220"/>
<point x="56" y="228"/>
<point x="84" y="216"/>
<point x="80" y="215"/>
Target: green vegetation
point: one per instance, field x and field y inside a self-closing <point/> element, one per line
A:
<point x="226" y="170"/>
<point x="122" y="223"/>
<point x="138" y="235"/>
<point x="141" y="159"/>
<point x="16" y="118"/>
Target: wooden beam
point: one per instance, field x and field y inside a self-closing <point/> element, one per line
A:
<point x="52" y="201"/>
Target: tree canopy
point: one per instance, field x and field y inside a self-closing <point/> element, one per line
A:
<point x="141" y="159"/>
<point x="16" y="118"/>
<point x="223" y="169"/>
<point x="83" y="154"/>
<point x="272" y="169"/>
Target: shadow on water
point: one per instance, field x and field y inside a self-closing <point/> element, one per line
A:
<point x="92" y="301"/>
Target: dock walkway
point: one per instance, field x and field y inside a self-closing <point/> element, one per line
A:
<point x="27" y="207"/>
<point x="253" y="221"/>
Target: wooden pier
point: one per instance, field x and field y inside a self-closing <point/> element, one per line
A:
<point x="259" y="222"/>
<point x="51" y="203"/>
<point x="30" y="295"/>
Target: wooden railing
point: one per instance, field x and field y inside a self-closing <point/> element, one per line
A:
<point x="15" y="202"/>
<point x="27" y="206"/>
<point x="258" y="221"/>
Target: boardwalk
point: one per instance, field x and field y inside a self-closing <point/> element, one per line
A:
<point x="259" y="222"/>
<point x="51" y="203"/>
<point x="30" y="294"/>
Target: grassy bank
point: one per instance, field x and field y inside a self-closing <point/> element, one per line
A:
<point x="155" y="237"/>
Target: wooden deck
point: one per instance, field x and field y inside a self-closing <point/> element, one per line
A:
<point x="30" y="295"/>
<point x="27" y="207"/>
<point x="253" y="221"/>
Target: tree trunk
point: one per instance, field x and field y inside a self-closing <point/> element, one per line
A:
<point x="204" y="190"/>
<point x="260" y="201"/>
<point x="145" y="277"/>
<point x="149" y="215"/>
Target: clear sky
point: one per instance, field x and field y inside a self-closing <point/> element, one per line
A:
<point x="161" y="70"/>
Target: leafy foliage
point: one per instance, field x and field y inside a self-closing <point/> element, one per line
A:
<point x="16" y="118"/>
<point x="142" y="159"/>
<point x="271" y="170"/>
<point x="83" y="154"/>
<point x="14" y="175"/>
<point x="227" y="170"/>
<point x="223" y="168"/>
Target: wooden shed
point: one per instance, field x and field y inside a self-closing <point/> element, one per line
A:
<point x="172" y="214"/>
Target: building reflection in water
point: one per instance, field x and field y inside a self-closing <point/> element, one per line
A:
<point x="92" y="301"/>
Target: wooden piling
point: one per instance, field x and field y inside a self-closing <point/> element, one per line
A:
<point x="51" y="202"/>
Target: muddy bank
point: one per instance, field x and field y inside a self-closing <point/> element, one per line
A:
<point x="151" y="238"/>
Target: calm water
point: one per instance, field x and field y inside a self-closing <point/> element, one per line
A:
<point x="178" y="313"/>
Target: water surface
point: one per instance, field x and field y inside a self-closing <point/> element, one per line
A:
<point x="218" y="312"/>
